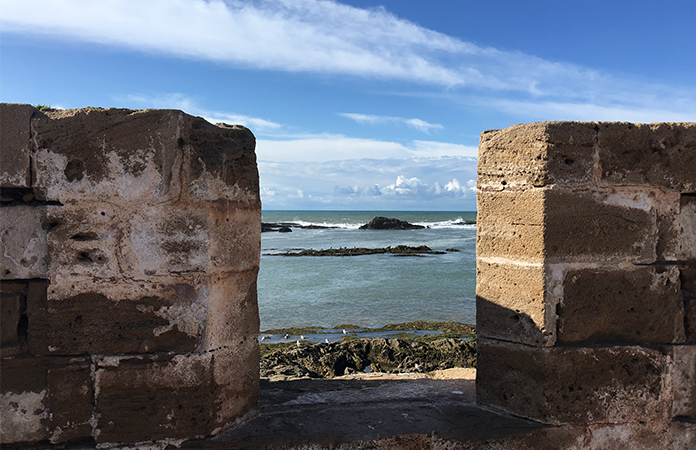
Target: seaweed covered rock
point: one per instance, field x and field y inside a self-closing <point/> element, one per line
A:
<point x="379" y="354"/>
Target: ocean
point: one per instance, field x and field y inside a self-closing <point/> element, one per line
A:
<point x="366" y="290"/>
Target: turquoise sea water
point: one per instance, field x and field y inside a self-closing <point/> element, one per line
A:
<point x="367" y="290"/>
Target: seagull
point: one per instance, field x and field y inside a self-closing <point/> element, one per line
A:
<point x="298" y="344"/>
<point x="263" y="337"/>
<point x="345" y="332"/>
<point x="286" y="336"/>
<point x="326" y="340"/>
<point x="302" y="337"/>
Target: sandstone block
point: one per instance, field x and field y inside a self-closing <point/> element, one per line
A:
<point x="687" y="222"/>
<point x="684" y="379"/>
<point x="683" y="435"/>
<point x="558" y="385"/>
<point x="511" y="303"/>
<point x="168" y="318"/>
<point x="629" y="305"/>
<point x="13" y="305"/>
<point x="688" y="287"/>
<point x="235" y="237"/>
<point x="152" y="154"/>
<point x="140" y="398"/>
<point x="235" y="383"/>
<point x="23" y="246"/>
<point x="537" y="154"/>
<point x="15" y="145"/>
<point x="511" y="224"/>
<point x="657" y="154"/>
<point x="45" y="399"/>
<point x="232" y="309"/>
<point x="599" y="226"/>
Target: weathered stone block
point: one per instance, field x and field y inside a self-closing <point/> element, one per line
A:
<point x="574" y="385"/>
<point x="657" y="154"/>
<point x="235" y="383"/>
<point x="235" y="237"/>
<point x="687" y="222"/>
<point x="45" y="399"/>
<point x="594" y="226"/>
<point x="15" y="145"/>
<point x="537" y="154"/>
<point x="683" y="435"/>
<point x="162" y="396"/>
<point x="684" y="380"/>
<point x="23" y="248"/>
<point x="13" y="306"/>
<point x="171" y="317"/>
<point x="510" y="224"/>
<point x="232" y="309"/>
<point x="688" y="287"/>
<point x="630" y="305"/>
<point x="511" y="303"/>
<point x="162" y="154"/>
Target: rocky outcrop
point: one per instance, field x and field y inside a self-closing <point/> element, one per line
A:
<point x="384" y="223"/>
<point x="380" y="355"/>
<point x="399" y="250"/>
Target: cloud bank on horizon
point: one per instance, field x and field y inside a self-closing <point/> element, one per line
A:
<point x="302" y="168"/>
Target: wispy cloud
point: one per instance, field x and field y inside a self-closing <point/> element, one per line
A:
<point x="332" y="38"/>
<point x="190" y="106"/>
<point x="416" y="124"/>
<point x="333" y="147"/>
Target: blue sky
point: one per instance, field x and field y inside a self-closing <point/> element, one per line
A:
<point x="361" y="104"/>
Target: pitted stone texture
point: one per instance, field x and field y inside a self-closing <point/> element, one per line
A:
<point x="684" y="357"/>
<point x="168" y="317"/>
<point x="15" y="145"/>
<point x="574" y="385"/>
<point x="538" y="154"/>
<point x="688" y="288"/>
<point x="687" y="222"/>
<point x="45" y="399"/>
<point x="160" y="154"/>
<point x="511" y="225"/>
<point x="656" y="154"/>
<point x="143" y="398"/>
<point x="511" y="303"/>
<point x="232" y="309"/>
<point x="560" y="224"/>
<point x="13" y="319"/>
<point x="23" y="247"/>
<point x="599" y="226"/>
<point x="628" y="305"/>
<point x="683" y="435"/>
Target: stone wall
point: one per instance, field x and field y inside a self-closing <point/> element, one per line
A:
<point x="586" y="279"/>
<point x="130" y="245"/>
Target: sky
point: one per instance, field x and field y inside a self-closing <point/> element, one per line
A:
<point x="358" y="104"/>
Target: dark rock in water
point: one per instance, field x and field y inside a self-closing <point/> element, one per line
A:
<point x="380" y="355"/>
<point x="385" y="223"/>
<point x="451" y="250"/>
<point x="285" y="227"/>
<point x="398" y="250"/>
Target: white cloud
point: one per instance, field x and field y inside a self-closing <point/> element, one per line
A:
<point x="592" y="111"/>
<point x="414" y="183"/>
<point x="190" y="106"/>
<point x="329" y="37"/>
<point x="334" y="147"/>
<point x="418" y="124"/>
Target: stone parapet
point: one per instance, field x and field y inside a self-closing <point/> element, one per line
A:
<point x="586" y="276"/>
<point x="130" y="248"/>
